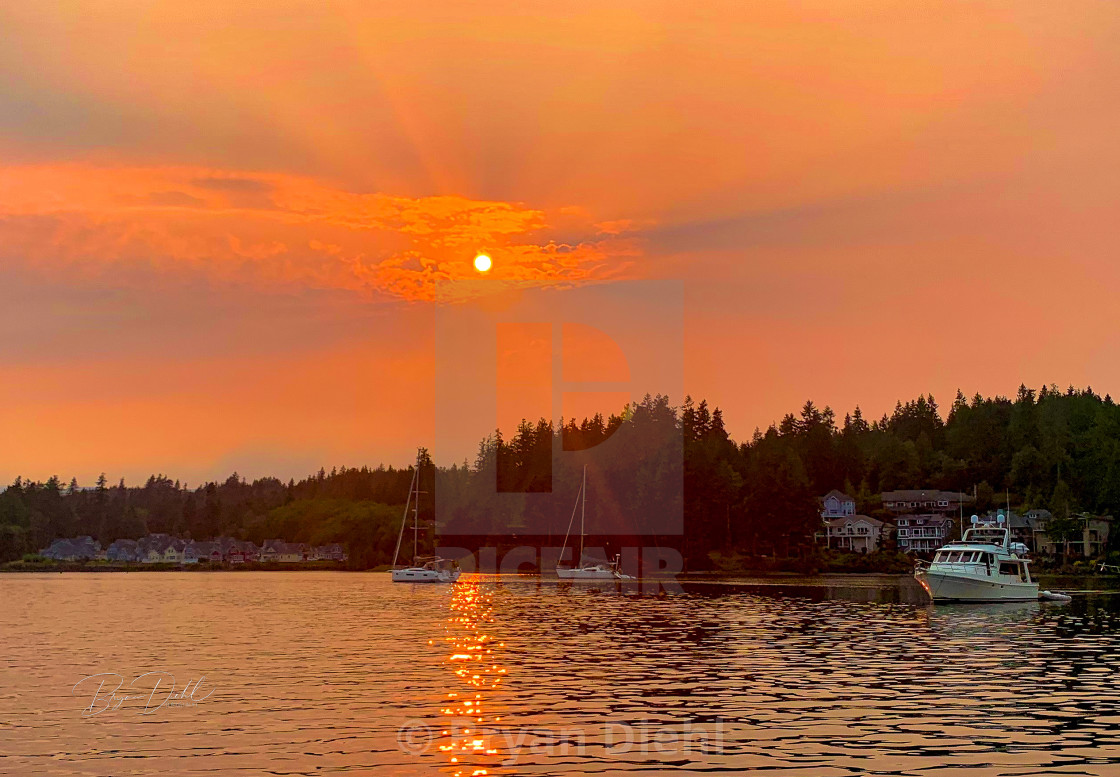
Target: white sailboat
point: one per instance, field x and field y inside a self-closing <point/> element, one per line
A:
<point x="424" y="569"/>
<point x="581" y="571"/>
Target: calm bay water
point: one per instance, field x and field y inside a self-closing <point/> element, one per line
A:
<point x="319" y="673"/>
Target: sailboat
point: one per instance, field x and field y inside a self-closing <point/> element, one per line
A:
<point x="424" y="569"/>
<point x="602" y="571"/>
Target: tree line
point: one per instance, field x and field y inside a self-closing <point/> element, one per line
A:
<point x="648" y="465"/>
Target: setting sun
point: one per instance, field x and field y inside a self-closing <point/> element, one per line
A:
<point x="482" y="263"/>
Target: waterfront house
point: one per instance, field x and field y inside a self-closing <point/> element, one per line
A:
<point x="161" y="548"/>
<point x="241" y="552"/>
<point x="924" y="501"/>
<point x="123" y="550"/>
<point x="837" y="504"/>
<point x="331" y="552"/>
<point x="86" y="547"/>
<point x="72" y="549"/>
<point x="269" y="551"/>
<point x="283" y="552"/>
<point x="1037" y="521"/>
<point x="1022" y="527"/>
<point x="173" y="551"/>
<point x="859" y="533"/>
<point x="924" y="532"/>
<point x="225" y="546"/>
<point x="1090" y="542"/>
<point x="151" y="547"/>
<point x="196" y="551"/>
<point x="59" y="550"/>
<point x="1094" y="536"/>
<point x="236" y="551"/>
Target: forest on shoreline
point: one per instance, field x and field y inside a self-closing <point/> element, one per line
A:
<point x="1050" y="448"/>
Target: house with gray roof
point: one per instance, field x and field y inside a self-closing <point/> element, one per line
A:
<point x="330" y="552"/>
<point x="857" y="533"/>
<point x="925" y="501"/>
<point x="284" y="552"/>
<point x="201" y="550"/>
<point x="837" y="504"/>
<point x="123" y="550"/>
<point x="161" y="549"/>
<point x="923" y="532"/>
<point x="72" y="549"/>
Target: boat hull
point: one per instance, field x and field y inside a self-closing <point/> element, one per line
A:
<point x="945" y="587"/>
<point x="586" y="573"/>
<point x="413" y="575"/>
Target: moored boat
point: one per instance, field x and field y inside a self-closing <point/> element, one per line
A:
<point x="426" y="569"/>
<point x="583" y="570"/>
<point x="984" y="566"/>
<point x="601" y="571"/>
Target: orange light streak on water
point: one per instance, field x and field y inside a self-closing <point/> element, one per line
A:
<point x="471" y="749"/>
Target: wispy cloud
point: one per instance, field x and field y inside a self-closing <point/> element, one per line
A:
<point x="279" y="229"/>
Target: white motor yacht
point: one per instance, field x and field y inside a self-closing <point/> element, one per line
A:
<point x="985" y="566"/>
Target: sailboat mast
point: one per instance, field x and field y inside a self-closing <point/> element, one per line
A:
<point x="404" y="520"/>
<point x="416" y="514"/>
<point x="582" y="513"/>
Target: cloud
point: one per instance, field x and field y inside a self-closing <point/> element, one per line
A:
<point x="232" y="184"/>
<point x="170" y="200"/>
<point x="277" y="230"/>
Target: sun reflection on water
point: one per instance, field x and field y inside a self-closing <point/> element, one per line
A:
<point x="468" y="737"/>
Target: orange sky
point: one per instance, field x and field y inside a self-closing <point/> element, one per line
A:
<point x="223" y="225"/>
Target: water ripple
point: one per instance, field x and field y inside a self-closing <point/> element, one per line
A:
<point x="318" y="673"/>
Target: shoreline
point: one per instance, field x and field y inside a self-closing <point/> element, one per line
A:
<point x="17" y="567"/>
<point x="860" y="580"/>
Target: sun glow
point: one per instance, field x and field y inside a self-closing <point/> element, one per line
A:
<point x="482" y="263"/>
